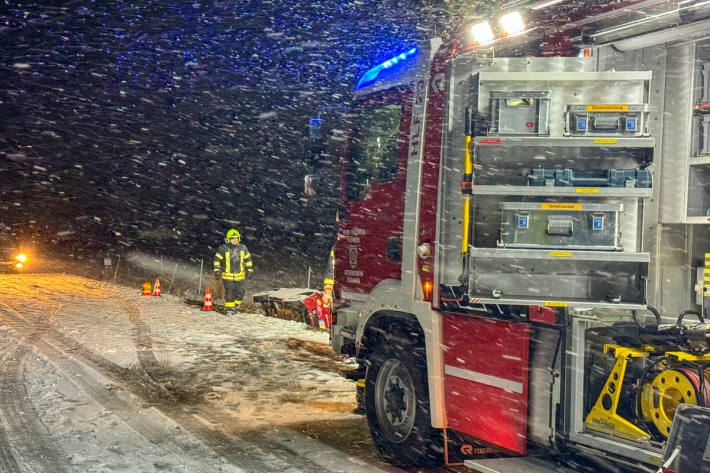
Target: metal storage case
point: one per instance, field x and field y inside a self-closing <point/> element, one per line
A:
<point x="705" y="74"/>
<point x="606" y="120"/>
<point x="561" y="225"/>
<point x="704" y="136"/>
<point x="516" y="112"/>
<point x="563" y="177"/>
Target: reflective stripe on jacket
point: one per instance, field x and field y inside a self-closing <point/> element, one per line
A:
<point x="233" y="260"/>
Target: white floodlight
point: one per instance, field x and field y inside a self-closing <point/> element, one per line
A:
<point x="482" y="33"/>
<point x="512" y="23"/>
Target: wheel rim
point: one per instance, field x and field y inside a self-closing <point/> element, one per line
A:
<point x="395" y="400"/>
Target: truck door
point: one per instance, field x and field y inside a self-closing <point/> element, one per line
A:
<point x="369" y="246"/>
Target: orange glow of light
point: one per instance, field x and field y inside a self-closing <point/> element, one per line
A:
<point x="427" y="289"/>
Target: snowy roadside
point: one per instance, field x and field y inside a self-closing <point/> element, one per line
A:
<point x="244" y="363"/>
<point x="105" y="368"/>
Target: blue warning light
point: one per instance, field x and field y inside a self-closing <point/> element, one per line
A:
<point x="371" y="76"/>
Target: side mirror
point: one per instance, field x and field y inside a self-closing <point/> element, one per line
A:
<point x="315" y="137"/>
<point x="314" y="128"/>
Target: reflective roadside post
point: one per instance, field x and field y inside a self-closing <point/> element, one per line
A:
<point x="107" y="265"/>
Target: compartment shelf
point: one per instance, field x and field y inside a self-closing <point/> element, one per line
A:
<point x="699" y="161"/>
<point x="592" y="192"/>
<point x="536" y="301"/>
<point x="562" y="141"/>
<point x="575" y="277"/>
<point x="559" y="254"/>
<point x="695" y="220"/>
<point x="565" y="76"/>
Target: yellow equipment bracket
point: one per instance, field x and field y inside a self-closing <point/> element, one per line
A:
<point x="468" y="171"/>
<point x="603" y="416"/>
<point x="682" y="356"/>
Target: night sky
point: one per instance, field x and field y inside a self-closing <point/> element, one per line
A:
<point x="157" y="125"/>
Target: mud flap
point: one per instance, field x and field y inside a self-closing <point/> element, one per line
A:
<point x="461" y="447"/>
<point x="486" y="379"/>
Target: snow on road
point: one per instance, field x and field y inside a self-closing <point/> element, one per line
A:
<point x="95" y="377"/>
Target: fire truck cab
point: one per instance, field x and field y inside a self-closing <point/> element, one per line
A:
<point x="523" y="252"/>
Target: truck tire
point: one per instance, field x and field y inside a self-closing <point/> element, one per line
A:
<point x="397" y="407"/>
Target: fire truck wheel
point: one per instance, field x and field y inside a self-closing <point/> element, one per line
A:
<point x="397" y="407"/>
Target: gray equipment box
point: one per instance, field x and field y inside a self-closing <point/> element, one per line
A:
<point x="519" y="112"/>
<point x="606" y="120"/>
<point x="705" y="135"/>
<point x="561" y="225"/>
<point x="564" y="177"/>
<point x="705" y="74"/>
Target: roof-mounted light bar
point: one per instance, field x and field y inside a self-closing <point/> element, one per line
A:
<point x="371" y="76"/>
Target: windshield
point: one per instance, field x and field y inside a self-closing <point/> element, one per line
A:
<point x="374" y="154"/>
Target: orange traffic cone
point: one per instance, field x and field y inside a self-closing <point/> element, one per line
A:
<point x="146" y="289"/>
<point x="208" y="300"/>
<point x="156" y="288"/>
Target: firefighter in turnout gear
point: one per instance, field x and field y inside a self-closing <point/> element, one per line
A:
<point x="329" y="280"/>
<point x="232" y="263"/>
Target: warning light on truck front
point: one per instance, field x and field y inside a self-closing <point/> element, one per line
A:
<point x="427" y="289"/>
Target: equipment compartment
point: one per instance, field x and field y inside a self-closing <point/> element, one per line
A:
<point x="705" y="74"/>
<point x="606" y="120"/>
<point x="519" y="112"/>
<point x="533" y="277"/>
<point x="639" y="178"/>
<point x="560" y="225"/>
<point x="704" y="136"/>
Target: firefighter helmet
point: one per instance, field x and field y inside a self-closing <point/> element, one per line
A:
<point x="233" y="233"/>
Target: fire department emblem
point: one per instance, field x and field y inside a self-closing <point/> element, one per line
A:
<point x="353" y="256"/>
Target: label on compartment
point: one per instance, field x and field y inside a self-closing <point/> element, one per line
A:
<point x="561" y="253"/>
<point x="555" y="304"/>
<point x="558" y="206"/>
<point x="608" y="108"/>
<point x="605" y="141"/>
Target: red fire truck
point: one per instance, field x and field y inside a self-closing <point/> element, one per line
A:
<point x="523" y="249"/>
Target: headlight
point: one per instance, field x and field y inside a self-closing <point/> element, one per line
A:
<point x="18" y="265"/>
<point x="21" y="257"/>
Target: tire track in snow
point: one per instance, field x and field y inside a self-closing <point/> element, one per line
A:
<point x="26" y="433"/>
<point x="254" y="454"/>
<point x="81" y="376"/>
<point x="7" y="459"/>
<point x="144" y="342"/>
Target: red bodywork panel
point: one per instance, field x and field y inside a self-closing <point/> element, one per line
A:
<point x="361" y="250"/>
<point x="486" y="379"/>
<point x="429" y="191"/>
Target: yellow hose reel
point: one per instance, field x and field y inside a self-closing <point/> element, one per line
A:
<point x="671" y="387"/>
